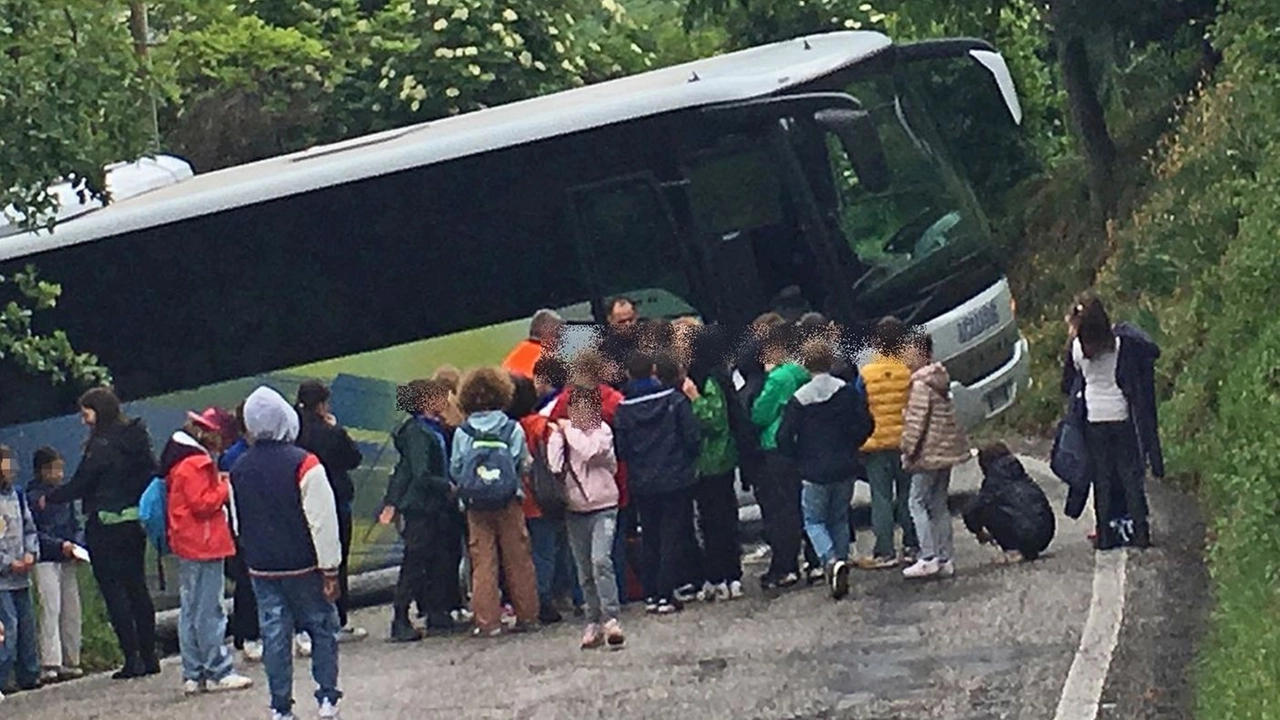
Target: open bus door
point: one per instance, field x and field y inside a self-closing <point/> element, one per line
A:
<point x="790" y="259"/>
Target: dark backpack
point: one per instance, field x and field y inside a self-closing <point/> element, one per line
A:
<point x="548" y="488"/>
<point x="1069" y="458"/>
<point x="489" y="479"/>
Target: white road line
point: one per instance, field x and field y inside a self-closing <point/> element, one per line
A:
<point x="1082" y="692"/>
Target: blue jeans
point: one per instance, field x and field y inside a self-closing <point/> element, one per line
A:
<point x="202" y="624"/>
<point x="18" y="653"/>
<point x="826" y="518"/>
<point x="286" y="605"/>
<point x="552" y="561"/>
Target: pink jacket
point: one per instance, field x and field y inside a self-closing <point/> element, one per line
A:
<point x="592" y="485"/>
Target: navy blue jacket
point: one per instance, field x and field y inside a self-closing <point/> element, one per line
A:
<point x="823" y="426"/>
<point x="1135" y="375"/>
<point x="657" y="436"/>
<point x="275" y="538"/>
<point x="55" y="524"/>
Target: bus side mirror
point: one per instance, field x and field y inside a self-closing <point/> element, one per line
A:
<point x="861" y="142"/>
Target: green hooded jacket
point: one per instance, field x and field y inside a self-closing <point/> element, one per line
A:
<point x="766" y="412"/>
<point x="719" y="454"/>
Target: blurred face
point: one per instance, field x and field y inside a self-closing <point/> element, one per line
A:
<point x="53" y="473"/>
<point x="916" y="357"/>
<point x="8" y="471"/>
<point x="583" y="415"/>
<point x="88" y="416"/>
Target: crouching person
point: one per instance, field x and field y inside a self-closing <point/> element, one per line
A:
<point x="199" y="534"/>
<point x="823" y="425"/>
<point x="1010" y="509"/>
<point x="288" y="527"/>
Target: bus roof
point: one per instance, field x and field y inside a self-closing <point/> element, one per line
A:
<point x="742" y="75"/>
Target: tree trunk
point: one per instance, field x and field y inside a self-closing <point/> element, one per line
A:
<point x="139" y="31"/>
<point x="1090" y="122"/>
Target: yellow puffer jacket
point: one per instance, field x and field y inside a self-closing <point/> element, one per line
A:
<point x="888" y="383"/>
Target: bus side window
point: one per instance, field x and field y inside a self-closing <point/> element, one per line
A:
<point x="629" y="245"/>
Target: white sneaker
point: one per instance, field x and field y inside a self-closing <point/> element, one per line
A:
<point x="922" y="569"/>
<point x="252" y="651"/>
<point x="760" y="554"/>
<point x="302" y="645"/>
<point x="192" y="687"/>
<point x="687" y="593"/>
<point x="735" y="590"/>
<point x="462" y="616"/>
<point x="946" y="569"/>
<point x="707" y="593"/>
<point x="721" y="592"/>
<point x="352" y="634"/>
<point x="282" y="716"/>
<point x="328" y="710"/>
<point x="229" y="683"/>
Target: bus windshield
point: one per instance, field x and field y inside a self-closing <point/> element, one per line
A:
<point x="922" y="233"/>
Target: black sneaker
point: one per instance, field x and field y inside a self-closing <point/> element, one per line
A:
<point x="669" y="607"/>
<point x="651" y="605"/>
<point x="403" y="631"/>
<point x="549" y="615"/>
<point x="839" y="579"/>
<point x="769" y="582"/>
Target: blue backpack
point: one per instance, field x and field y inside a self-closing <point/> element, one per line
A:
<point x="489" y="479"/>
<point x="153" y="513"/>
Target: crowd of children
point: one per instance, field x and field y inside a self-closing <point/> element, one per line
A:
<point x="549" y="475"/>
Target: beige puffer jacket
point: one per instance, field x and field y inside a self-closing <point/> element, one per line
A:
<point x="931" y="438"/>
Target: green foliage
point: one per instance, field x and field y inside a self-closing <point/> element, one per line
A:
<point x="41" y="354"/>
<point x="70" y="99"/>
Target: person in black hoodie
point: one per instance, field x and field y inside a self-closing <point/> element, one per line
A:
<point x="1010" y="509"/>
<point x="823" y="425"/>
<point x="656" y="434"/>
<point x="116" y="467"/>
<point x="320" y="434"/>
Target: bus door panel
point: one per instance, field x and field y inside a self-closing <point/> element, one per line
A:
<point x="629" y="245"/>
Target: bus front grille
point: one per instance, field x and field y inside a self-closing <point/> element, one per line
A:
<point x="981" y="360"/>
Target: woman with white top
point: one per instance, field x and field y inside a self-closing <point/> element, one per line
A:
<point x="1116" y="365"/>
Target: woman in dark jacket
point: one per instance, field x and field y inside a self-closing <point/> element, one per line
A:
<point x="1113" y="366"/>
<point x="116" y="467"/>
<point x="319" y="433"/>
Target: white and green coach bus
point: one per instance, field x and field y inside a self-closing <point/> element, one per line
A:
<point x="703" y="189"/>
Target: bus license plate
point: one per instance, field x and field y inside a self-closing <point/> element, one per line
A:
<point x="999" y="397"/>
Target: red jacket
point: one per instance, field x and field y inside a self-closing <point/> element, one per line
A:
<point x="197" y="504"/>
<point x="535" y="432"/>
<point x="610" y="399"/>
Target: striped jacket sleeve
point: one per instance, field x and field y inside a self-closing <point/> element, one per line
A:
<point x="321" y="512"/>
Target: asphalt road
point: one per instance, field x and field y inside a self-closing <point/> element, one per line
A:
<point x="994" y="642"/>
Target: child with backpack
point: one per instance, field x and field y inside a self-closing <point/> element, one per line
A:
<point x="488" y="459"/>
<point x="932" y="444"/>
<point x="657" y="436"/>
<point x="61" y="532"/>
<point x="421" y="495"/>
<point x="199" y="534"/>
<point x="19" y="550"/>
<point x="581" y="450"/>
